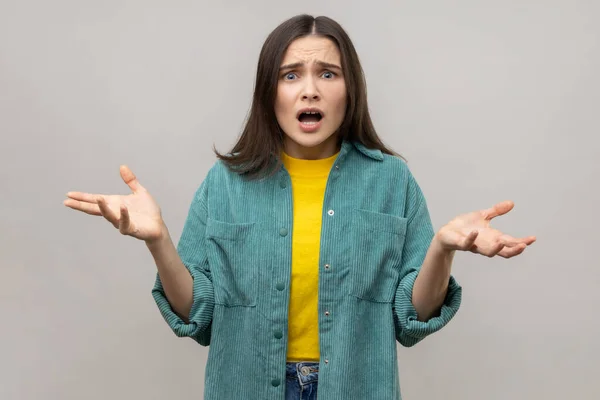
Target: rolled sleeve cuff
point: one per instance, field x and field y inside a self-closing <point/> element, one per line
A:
<point x="409" y="330"/>
<point x="200" y="318"/>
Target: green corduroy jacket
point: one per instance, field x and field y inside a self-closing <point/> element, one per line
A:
<point x="237" y="244"/>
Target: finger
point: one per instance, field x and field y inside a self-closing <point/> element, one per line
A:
<point x="469" y="240"/>
<point x="498" y="209"/>
<point x="509" y="252"/>
<point x="124" y="221"/>
<point x="528" y="240"/>
<point x="80" y="196"/>
<point x="490" y="251"/>
<point x="510" y="241"/>
<point x="130" y="179"/>
<point x="107" y="212"/>
<point x="457" y="241"/>
<point x="87" y="208"/>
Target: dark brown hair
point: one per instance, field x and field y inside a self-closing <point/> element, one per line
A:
<point x="262" y="137"/>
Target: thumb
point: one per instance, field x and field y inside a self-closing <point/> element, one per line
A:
<point x="499" y="209"/>
<point x="130" y="179"/>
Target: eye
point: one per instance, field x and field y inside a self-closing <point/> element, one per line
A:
<point x="289" y="76"/>
<point x="328" y="75"/>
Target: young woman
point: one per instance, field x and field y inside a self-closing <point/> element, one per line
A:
<point x="308" y="250"/>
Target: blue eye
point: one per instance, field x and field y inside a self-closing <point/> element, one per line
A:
<point x="289" y="76"/>
<point x="331" y="74"/>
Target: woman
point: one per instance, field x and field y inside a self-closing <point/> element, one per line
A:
<point x="308" y="250"/>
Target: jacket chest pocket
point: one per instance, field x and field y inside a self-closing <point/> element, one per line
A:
<point x="378" y="240"/>
<point x="233" y="251"/>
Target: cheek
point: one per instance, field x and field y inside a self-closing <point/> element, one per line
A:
<point x="341" y="100"/>
<point x="278" y="105"/>
<point x="284" y="101"/>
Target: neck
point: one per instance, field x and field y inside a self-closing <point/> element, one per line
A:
<point x="324" y="150"/>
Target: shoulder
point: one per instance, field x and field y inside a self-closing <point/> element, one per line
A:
<point x="390" y="168"/>
<point x="386" y="164"/>
<point x="216" y="172"/>
<point x="395" y="164"/>
<point x="222" y="182"/>
<point x="404" y="179"/>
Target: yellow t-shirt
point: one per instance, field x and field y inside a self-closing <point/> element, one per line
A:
<point x="309" y="178"/>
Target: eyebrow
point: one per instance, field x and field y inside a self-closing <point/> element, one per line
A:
<point x="301" y="64"/>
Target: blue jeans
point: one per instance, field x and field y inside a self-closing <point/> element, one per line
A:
<point x="301" y="380"/>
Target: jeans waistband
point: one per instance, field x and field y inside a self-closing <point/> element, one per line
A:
<point x="306" y="371"/>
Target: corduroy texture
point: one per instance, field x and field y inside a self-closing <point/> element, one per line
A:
<point x="237" y="243"/>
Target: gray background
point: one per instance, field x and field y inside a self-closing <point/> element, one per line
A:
<point x="487" y="100"/>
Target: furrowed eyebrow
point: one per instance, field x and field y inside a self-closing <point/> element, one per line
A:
<point x="300" y="64"/>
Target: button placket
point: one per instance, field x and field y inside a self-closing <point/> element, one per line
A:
<point x="279" y="282"/>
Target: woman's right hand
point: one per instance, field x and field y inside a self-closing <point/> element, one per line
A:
<point x="136" y="214"/>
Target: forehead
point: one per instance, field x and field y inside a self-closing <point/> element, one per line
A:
<point x="312" y="48"/>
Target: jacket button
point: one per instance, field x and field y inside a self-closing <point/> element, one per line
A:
<point x="283" y="232"/>
<point x="280" y="286"/>
<point x="282" y="184"/>
<point x="275" y="382"/>
<point x="278" y="334"/>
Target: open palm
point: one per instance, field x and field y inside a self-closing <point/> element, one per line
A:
<point x="473" y="232"/>
<point x="136" y="214"/>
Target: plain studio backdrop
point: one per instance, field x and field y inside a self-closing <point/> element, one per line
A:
<point x="487" y="100"/>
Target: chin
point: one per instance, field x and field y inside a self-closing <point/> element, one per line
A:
<point x="310" y="139"/>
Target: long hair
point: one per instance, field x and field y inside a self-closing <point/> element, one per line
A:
<point x="262" y="137"/>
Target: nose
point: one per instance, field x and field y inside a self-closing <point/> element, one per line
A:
<point x="310" y="90"/>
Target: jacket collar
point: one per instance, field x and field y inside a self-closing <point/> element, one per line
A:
<point x="375" y="154"/>
<point x="348" y="145"/>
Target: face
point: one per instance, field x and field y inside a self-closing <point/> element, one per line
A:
<point x="311" y="97"/>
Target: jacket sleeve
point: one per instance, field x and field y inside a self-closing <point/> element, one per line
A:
<point x="192" y="251"/>
<point x="419" y="234"/>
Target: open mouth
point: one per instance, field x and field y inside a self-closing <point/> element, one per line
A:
<point x="310" y="117"/>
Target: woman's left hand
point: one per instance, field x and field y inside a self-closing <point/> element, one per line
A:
<point x="472" y="232"/>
